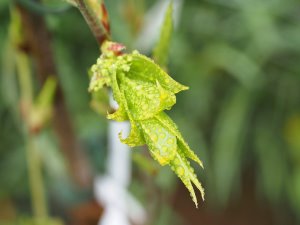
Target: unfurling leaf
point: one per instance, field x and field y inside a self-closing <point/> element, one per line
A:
<point x="143" y="91"/>
<point x="161" y="50"/>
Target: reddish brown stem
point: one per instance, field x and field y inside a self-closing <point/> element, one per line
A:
<point x="96" y="17"/>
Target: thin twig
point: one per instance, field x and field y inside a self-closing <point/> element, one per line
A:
<point x="96" y="17"/>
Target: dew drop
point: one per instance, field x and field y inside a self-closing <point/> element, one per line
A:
<point x="176" y="161"/>
<point x="154" y="137"/>
<point x="170" y="141"/>
<point x="144" y="107"/>
<point x="164" y="148"/>
<point x="180" y="170"/>
<point x="162" y="135"/>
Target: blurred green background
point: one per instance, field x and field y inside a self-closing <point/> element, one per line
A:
<point x="241" y="115"/>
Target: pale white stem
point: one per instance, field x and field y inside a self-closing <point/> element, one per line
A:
<point x="111" y="189"/>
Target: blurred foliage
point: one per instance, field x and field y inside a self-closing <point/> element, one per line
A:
<point x="161" y="50"/>
<point x="240" y="59"/>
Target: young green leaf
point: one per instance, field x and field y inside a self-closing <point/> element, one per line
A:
<point x="161" y="51"/>
<point x="143" y="91"/>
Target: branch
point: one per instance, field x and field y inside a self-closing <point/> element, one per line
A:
<point x="96" y="17"/>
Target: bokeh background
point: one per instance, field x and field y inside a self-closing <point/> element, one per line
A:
<point x="241" y="115"/>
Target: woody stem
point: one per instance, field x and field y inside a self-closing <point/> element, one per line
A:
<point x="96" y="17"/>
